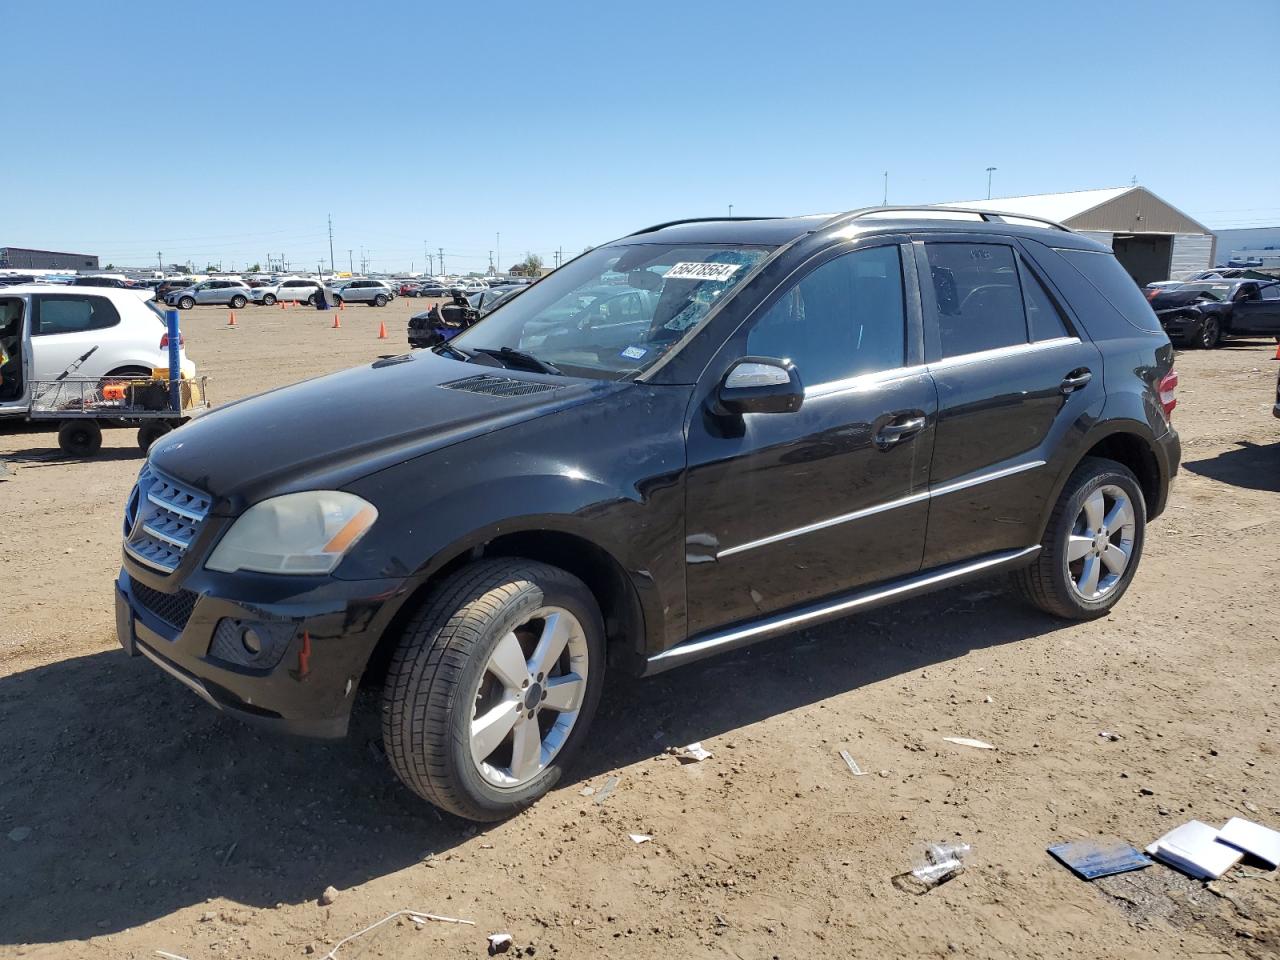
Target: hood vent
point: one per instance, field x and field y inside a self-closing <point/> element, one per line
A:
<point x="499" y="386"/>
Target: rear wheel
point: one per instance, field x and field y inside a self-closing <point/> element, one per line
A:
<point x="380" y="300"/>
<point x="313" y="299"/>
<point x="80" y="438"/>
<point x="151" y="432"/>
<point x="1091" y="546"/>
<point x="186" y="303"/>
<point x="492" y="689"/>
<point x="268" y="300"/>
<point x="238" y="302"/>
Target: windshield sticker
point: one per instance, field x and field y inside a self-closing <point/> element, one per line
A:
<point x="702" y="271"/>
<point x="634" y="353"/>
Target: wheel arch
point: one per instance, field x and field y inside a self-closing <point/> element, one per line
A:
<point x="605" y="576"/>
<point x="1130" y="444"/>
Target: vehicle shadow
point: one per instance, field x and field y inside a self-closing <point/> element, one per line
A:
<point x="131" y="799"/>
<point x="1250" y="465"/>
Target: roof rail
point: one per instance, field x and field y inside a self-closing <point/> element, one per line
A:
<point x="988" y="216"/>
<point x="676" y="223"/>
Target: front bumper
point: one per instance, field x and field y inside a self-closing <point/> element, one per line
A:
<point x="1182" y="327"/>
<point x="315" y="638"/>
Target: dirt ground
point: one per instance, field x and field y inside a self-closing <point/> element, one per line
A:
<point x="134" y="819"/>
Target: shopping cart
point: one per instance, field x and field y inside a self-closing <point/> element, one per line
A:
<point x="155" y="406"/>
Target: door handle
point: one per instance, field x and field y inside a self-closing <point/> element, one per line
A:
<point x="1075" y="380"/>
<point x="898" y="430"/>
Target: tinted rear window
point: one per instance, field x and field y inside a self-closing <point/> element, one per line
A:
<point x="1104" y="272"/>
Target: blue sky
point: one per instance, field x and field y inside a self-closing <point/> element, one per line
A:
<point x="227" y="134"/>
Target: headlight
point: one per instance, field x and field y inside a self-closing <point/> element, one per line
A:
<point x="305" y="533"/>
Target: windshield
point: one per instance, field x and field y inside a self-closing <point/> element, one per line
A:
<point x="616" y="310"/>
<point x="1219" y="291"/>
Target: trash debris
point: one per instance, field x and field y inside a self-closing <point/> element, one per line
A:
<point x="639" y="837"/>
<point x="693" y="753"/>
<point x="499" y="943"/>
<point x="1194" y="849"/>
<point x="852" y="764"/>
<point x="1253" y="838"/>
<point x="1099" y="857"/>
<point x="968" y="742"/>
<point x="603" y="793"/>
<point x="169" y="956"/>
<point x="933" y="866"/>
<point x="18" y="834"/>
<point x="1109" y="735"/>
<point x="417" y="916"/>
<point x="330" y="894"/>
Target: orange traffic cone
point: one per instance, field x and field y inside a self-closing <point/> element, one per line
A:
<point x="337" y="324"/>
<point x="382" y="331"/>
<point x="1277" y="350"/>
<point x="281" y="303"/>
<point x="231" y="318"/>
<point x="342" y="304"/>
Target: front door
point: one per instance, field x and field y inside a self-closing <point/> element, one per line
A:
<point x="785" y="508"/>
<point x="1013" y="378"/>
<point x="1259" y="312"/>
<point x="13" y="350"/>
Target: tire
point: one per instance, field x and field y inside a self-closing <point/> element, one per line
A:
<point x="268" y="300"/>
<point x="1050" y="583"/>
<point x="380" y="301"/>
<point x="186" y="303"/>
<point x="80" y="438"/>
<point x="149" y="433"/>
<point x="441" y="674"/>
<point x="311" y="300"/>
<point x="237" y="303"/>
<point x="1210" y="333"/>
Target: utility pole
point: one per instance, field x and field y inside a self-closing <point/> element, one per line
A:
<point x="731" y="210"/>
<point x="351" y="264"/>
<point x="426" y="253"/>
<point x="497" y="242"/>
<point x="490" y="263"/>
<point x="160" y="260"/>
<point x="440" y="250"/>
<point x="990" y="171"/>
<point x="885" y="202"/>
<point x="331" y="270"/>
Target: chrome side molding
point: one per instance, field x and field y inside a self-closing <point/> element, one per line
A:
<point x="743" y="634"/>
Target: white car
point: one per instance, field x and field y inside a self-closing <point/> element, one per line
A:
<point x="93" y="332"/>
<point x="295" y="289"/>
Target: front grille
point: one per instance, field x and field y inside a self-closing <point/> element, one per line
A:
<point x="499" y="386"/>
<point x="162" y="520"/>
<point x="173" y="608"/>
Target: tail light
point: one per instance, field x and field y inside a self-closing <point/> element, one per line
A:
<point x="1168" y="392"/>
<point x="164" y="341"/>
<point x="1151" y="292"/>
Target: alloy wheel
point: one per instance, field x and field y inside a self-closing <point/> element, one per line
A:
<point x="1101" y="542"/>
<point x="529" y="697"/>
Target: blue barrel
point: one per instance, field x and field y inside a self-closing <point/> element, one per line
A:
<point x="175" y="361"/>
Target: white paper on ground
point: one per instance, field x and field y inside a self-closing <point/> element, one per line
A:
<point x="1262" y="842"/>
<point x="1194" y="849"/>
<point x="969" y="742"/>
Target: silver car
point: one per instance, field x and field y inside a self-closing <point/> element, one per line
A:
<point x="231" y="293"/>
<point x="373" y="292"/>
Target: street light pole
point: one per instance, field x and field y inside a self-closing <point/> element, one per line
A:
<point x="885" y="202"/>
<point x="331" y="270"/>
<point x="990" y="171"/>
<point x="731" y="210"/>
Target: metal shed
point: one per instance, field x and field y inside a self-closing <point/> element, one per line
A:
<point x="1152" y="239"/>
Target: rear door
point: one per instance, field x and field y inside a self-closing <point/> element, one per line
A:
<point x="1259" y="311"/>
<point x="69" y="327"/>
<point x="1013" y="378"/>
<point x="785" y="508"/>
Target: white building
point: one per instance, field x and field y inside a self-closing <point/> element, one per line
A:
<point x="1151" y="238"/>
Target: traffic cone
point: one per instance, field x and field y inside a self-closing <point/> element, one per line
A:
<point x="1277" y="350"/>
<point x="231" y="318"/>
<point x="281" y="303"/>
<point x="342" y="304"/>
<point x="337" y="323"/>
<point x="382" y="331"/>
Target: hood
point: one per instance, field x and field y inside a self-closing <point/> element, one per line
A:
<point x="1176" y="298"/>
<point x="326" y="433"/>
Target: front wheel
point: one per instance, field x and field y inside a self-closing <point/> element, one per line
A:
<point x="1091" y="546"/>
<point x="80" y="438"/>
<point x="1210" y="333"/>
<point x="186" y="303"/>
<point x="493" y="686"/>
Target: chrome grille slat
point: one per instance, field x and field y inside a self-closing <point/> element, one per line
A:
<point x="163" y="519"/>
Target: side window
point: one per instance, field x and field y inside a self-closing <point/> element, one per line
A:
<point x="1043" y="318"/>
<point x="1104" y="272"/>
<point x="978" y="297"/>
<point x="1272" y="292"/>
<point x="66" y="314"/>
<point x="843" y="319"/>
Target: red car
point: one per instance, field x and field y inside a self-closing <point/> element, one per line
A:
<point x="409" y="288"/>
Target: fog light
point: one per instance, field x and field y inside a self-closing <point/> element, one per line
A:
<point x="252" y="642"/>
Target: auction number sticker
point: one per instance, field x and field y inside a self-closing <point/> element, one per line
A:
<point x="702" y="271"/>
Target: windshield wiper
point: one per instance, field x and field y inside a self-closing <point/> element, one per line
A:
<point x="519" y="360"/>
<point x="458" y="352"/>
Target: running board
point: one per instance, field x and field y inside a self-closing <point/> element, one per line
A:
<point x="746" y="633"/>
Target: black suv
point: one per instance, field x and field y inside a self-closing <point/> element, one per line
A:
<point x="776" y="422"/>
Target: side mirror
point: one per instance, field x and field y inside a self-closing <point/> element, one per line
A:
<point x="760" y="385"/>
